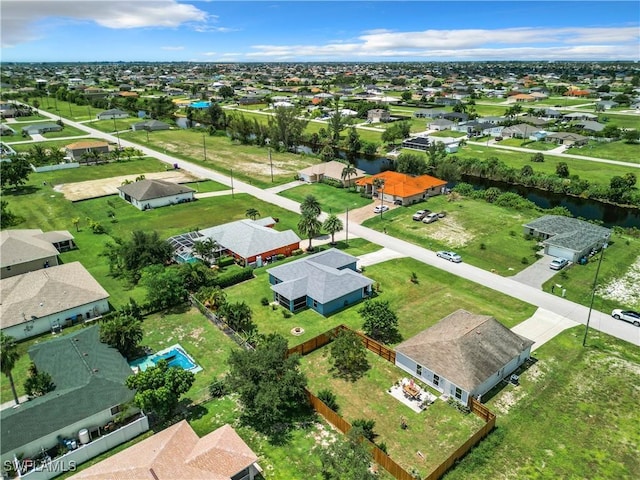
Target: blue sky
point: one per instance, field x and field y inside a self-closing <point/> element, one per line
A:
<point x="243" y="31"/>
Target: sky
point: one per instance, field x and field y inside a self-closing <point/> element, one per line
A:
<point x="326" y="31"/>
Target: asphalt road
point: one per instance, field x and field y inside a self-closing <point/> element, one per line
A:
<point x="560" y="306"/>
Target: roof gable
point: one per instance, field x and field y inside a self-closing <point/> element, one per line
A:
<point x="148" y="189"/>
<point x="21" y="246"/>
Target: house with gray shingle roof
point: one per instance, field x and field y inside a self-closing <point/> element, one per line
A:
<point x="463" y="355"/>
<point x="40" y="128"/>
<point x="89" y="378"/>
<point x="150" y="126"/>
<point x="146" y="194"/>
<point x="567" y="237"/>
<point x="48" y="299"/>
<point x="566" y="138"/>
<point x="23" y="251"/>
<point x="325" y="282"/>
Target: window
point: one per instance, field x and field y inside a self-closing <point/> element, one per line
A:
<point x="458" y="393"/>
<point x="436" y="380"/>
<point x="315" y="304"/>
<point x="419" y="370"/>
<point x="116" y="409"/>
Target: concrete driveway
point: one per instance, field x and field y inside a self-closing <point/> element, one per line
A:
<point x="538" y="273"/>
<point x="543" y="326"/>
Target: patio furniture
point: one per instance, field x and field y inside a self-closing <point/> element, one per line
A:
<point x="411" y="391"/>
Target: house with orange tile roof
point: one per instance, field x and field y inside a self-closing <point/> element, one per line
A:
<point x="178" y="453"/>
<point x="400" y="187"/>
<point x="77" y="149"/>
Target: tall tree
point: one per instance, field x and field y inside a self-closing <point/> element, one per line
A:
<point x="270" y="384"/>
<point x="159" y="388"/>
<point x="38" y="383"/>
<point x="124" y="333"/>
<point x="285" y="128"/>
<point x="347" y="459"/>
<point x="347" y="172"/>
<point x="9" y="355"/>
<point x="309" y="226"/>
<point x="332" y="225"/>
<point x="252" y="213"/>
<point x="411" y="164"/>
<point x="380" y="322"/>
<point x="14" y="173"/>
<point x="165" y="288"/>
<point x="310" y="205"/>
<point x="7" y="217"/>
<point x="348" y="356"/>
<point x="238" y="316"/>
<point x="207" y="250"/>
<point x="353" y="145"/>
<point x="129" y="257"/>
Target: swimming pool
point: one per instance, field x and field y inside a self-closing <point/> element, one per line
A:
<point x="175" y="355"/>
<point x="201" y="104"/>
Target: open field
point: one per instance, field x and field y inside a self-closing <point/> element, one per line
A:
<point x="592" y="171"/>
<point x="574" y="415"/>
<point x="47" y="144"/>
<point x="332" y="199"/>
<point x="418" y="306"/>
<point x="621" y="151"/>
<point x="435" y="432"/>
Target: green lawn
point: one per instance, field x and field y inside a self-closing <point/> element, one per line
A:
<point x="574" y="415"/>
<point x="592" y="171"/>
<point x="332" y="199"/>
<point x="435" y="432"/>
<point x="469" y="228"/>
<point x="48" y="144"/>
<point x="418" y="306"/>
<point x="207" y="186"/>
<point x="621" y="151"/>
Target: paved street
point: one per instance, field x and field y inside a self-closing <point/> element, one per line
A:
<point x="559" y="306"/>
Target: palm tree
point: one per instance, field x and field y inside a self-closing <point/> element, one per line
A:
<point x="215" y="298"/>
<point x="8" y="357"/>
<point x="76" y="223"/>
<point x="252" y="213"/>
<point x="206" y="249"/>
<point x="347" y="172"/>
<point x="378" y="183"/>
<point x="311" y="206"/>
<point x="309" y="226"/>
<point x="333" y="225"/>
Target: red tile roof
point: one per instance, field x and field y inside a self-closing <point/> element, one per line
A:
<point x="403" y="185"/>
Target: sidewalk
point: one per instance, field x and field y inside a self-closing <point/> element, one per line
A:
<point x="12" y="403"/>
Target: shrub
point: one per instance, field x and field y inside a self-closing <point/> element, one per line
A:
<point x="483" y="246"/>
<point x="524" y="261"/>
<point x="332" y="182"/>
<point x="280" y="256"/>
<point x="296" y="252"/>
<point x="225" y="262"/>
<point x="383" y="446"/>
<point x="537" y="157"/>
<point x="366" y="426"/>
<point x="233" y="278"/>
<point x="286" y="313"/>
<point x="218" y="388"/>
<point x="264" y="301"/>
<point x="329" y="399"/>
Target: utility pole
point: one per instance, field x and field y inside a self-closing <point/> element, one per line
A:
<point x="593" y="291"/>
<point x="271" y="164"/>
<point x="204" y="145"/>
<point x="232" y="183"/>
<point x="346" y="224"/>
<point x="117" y="133"/>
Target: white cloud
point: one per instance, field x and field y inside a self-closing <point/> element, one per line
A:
<point x="209" y="54"/>
<point x="172" y="49"/>
<point x="20" y="17"/>
<point x="472" y="44"/>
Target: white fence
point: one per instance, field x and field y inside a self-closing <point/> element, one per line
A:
<point x="59" y="166"/>
<point x="69" y="461"/>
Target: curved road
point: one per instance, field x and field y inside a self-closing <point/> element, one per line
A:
<point x="562" y="307"/>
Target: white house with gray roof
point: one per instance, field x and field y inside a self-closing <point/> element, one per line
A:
<point x="463" y="355"/>
<point x="325" y="282"/>
<point x="48" y="299"/>
<point x="567" y="237"/>
<point x="24" y="251"/>
<point x="146" y="194"/>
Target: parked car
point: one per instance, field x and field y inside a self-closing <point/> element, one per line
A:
<point x="420" y="214"/>
<point x="627" y="316"/>
<point x="397" y="202"/>
<point x="498" y="139"/>
<point x="442" y="214"/>
<point x="451" y="256"/>
<point x="430" y="218"/>
<point x="558" y="263"/>
<point x="380" y="209"/>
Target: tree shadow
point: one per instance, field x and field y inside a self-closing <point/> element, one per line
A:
<point x="23" y="190"/>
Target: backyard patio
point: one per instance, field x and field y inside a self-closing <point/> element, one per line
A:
<point x="412" y="395"/>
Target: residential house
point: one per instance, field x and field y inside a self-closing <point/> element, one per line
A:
<point x="325" y="282"/>
<point x="589" y="126"/>
<point x="567" y="138"/>
<point x="579" y="116"/>
<point x="331" y="170"/>
<point x="24" y="251"/>
<point x="146" y="194"/>
<point x="401" y="187"/>
<point x="448" y="101"/>
<point x="606" y="105"/>
<point x="150" y="126"/>
<point x="178" y="453"/>
<point x="417" y="143"/>
<point x="6" y="130"/>
<point x="40" y="128"/>
<point x="522" y="97"/>
<point x="440" y="124"/>
<point x="435" y="113"/>
<point x="111" y="114"/>
<point x="567" y="237"/>
<point x="378" y="115"/>
<point x="79" y="150"/>
<point x="49" y="299"/>
<point x="78" y="415"/>
<point x="248" y="241"/>
<point x="456" y="116"/>
<point x="463" y="355"/>
<point x="522" y="130"/>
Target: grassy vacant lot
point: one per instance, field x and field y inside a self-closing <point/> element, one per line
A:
<point x="578" y="279"/>
<point x="68" y="109"/>
<point x="332" y="199"/>
<point x="435" y="432"/>
<point x="620" y="150"/>
<point x="469" y="228"/>
<point x="591" y="171"/>
<point x="574" y="415"/>
<point x="418" y="306"/>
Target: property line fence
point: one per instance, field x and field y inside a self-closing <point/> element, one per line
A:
<point x="226" y="329"/>
<point x="380" y="457"/>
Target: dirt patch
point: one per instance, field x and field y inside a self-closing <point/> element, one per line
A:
<point x="625" y="289"/>
<point x="109" y="186"/>
<point x="361" y="214"/>
<point x="322" y="436"/>
<point x="197" y="333"/>
<point x="447" y="230"/>
<point x="509" y="399"/>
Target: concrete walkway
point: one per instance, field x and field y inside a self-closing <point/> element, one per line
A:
<point x="286" y="186"/>
<point x="542" y="327"/>
<point x="379" y="256"/>
<point x="12" y="403"/>
<point x="221" y="193"/>
<point x="559" y="306"/>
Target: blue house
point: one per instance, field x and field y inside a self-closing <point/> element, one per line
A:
<point x="325" y="282"/>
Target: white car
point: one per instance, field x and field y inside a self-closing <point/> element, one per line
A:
<point x="627" y="316"/>
<point x="451" y="256"/>
<point x="432" y="217"/>
<point x="380" y="209"/>
<point x="420" y="214"/>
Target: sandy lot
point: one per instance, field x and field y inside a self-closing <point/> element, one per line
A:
<point x="108" y="186"/>
<point x="361" y="214"/>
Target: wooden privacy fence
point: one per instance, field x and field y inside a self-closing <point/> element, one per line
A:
<point x="381" y="458"/>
